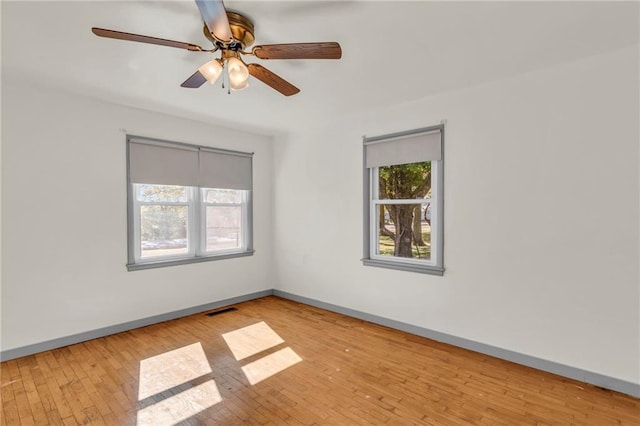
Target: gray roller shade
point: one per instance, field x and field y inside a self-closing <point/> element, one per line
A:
<point x="408" y="147"/>
<point x="166" y="163"/>
<point x="162" y="164"/>
<point x="224" y="170"/>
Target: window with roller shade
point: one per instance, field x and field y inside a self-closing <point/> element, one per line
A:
<point x="403" y="200"/>
<point x="186" y="203"/>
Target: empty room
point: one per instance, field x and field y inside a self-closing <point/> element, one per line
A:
<point x="320" y="212"/>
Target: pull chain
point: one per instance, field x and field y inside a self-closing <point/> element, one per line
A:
<point x="223" y="73"/>
<point x="225" y="76"/>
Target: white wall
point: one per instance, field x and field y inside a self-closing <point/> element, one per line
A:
<point x="64" y="235"/>
<point x="541" y="216"/>
<point x="541" y="233"/>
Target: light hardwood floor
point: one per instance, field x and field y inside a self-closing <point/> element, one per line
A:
<point x="273" y="361"/>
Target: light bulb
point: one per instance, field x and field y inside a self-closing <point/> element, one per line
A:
<point x="211" y="70"/>
<point x="238" y="74"/>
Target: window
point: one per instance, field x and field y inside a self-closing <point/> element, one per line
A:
<point x="403" y="209"/>
<point x="186" y="203"/>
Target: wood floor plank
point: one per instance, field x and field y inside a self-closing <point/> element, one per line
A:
<point x="352" y="372"/>
<point x="22" y="402"/>
<point x="10" y="414"/>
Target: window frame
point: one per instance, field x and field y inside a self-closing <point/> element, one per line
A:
<point x="371" y="202"/>
<point x="196" y="232"/>
<point x="244" y="220"/>
<point x="137" y="236"/>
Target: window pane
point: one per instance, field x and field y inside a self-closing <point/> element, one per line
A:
<point x="404" y="181"/>
<point x="223" y="196"/>
<point x="224" y="227"/>
<point x="163" y="230"/>
<point x="151" y="193"/>
<point x="404" y="230"/>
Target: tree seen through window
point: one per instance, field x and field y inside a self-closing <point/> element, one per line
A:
<point x="405" y="229"/>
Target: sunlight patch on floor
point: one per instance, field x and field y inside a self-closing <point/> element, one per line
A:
<point x="269" y="365"/>
<point x="251" y="340"/>
<point x="179" y="407"/>
<point x="171" y="369"/>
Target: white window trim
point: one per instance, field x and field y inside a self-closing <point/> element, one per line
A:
<point x="196" y="240"/>
<point x="433" y="266"/>
<point x="374" y="237"/>
<point x="191" y="204"/>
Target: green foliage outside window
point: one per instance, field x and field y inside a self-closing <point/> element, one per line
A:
<point x="404" y="182"/>
<point x="163" y="222"/>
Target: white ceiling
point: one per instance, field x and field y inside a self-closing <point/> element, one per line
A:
<point x="393" y="52"/>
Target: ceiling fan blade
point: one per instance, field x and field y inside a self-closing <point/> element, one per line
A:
<point x="328" y="50"/>
<point x="195" y="81"/>
<point x="215" y="17"/>
<point x="271" y="79"/>
<point x="101" y="32"/>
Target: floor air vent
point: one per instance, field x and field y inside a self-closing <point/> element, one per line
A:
<point x="221" y="311"/>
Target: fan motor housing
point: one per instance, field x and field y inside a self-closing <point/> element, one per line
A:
<point x="241" y="30"/>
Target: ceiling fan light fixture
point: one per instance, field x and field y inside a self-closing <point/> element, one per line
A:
<point x="238" y="74"/>
<point x="230" y="33"/>
<point x="211" y="70"/>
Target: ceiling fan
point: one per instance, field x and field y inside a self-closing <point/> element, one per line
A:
<point x="231" y="33"/>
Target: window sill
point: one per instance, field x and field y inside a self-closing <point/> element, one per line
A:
<point x="166" y="263"/>
<point x="409" y="267"/>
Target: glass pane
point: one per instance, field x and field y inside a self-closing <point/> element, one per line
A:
<point x="224" y="227"/>
<point x="163" y="230"/>
<point x="404" y="230"/>
<point x="152" y="193"/>
<point x="404" y="181"/>
<point x="223" y="196"/>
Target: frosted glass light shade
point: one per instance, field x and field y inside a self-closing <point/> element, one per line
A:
<point x="211" y="70"/>
<point x="238" y="74"/>
<point x="241" y="85"/>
